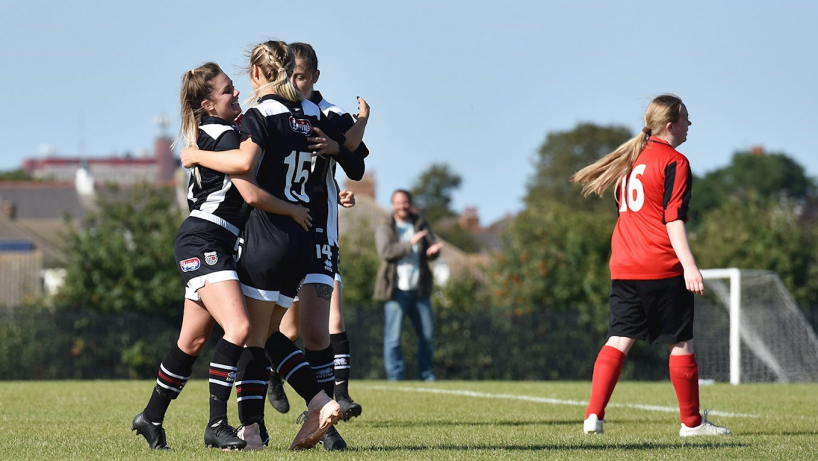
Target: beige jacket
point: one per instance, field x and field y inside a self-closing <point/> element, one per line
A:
<point x="391" y="249"/>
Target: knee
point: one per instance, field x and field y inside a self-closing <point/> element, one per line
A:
<point x="682" y="348"/>
<point x="621" y="343"/>
<point x="238" y="331"/>
<point x="192" y="345"/>
<point x="290" y="330"/>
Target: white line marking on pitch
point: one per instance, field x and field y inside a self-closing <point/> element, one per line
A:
<point x="529" y="398"/>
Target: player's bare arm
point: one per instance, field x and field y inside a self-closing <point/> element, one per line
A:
<point x="236" y="161"/>
<point x="263" y="200"/>
<point x="678" y="239"/>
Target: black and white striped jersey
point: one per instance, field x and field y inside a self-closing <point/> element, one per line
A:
<point x="324" y="205"/>
<point x="211" y="192"/>
<point x="281" y="127"/>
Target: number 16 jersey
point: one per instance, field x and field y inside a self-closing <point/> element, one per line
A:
<point x="657" y="191"/>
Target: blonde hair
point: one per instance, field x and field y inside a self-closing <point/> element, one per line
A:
<point x="597" y="177"/>
<point x="276" y="61"/>
<point x="197" y="85"/>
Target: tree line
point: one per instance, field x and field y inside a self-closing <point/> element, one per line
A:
<point x="545" y="288"/>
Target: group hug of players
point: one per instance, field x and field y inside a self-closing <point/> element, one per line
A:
<point x="259" y="251"/>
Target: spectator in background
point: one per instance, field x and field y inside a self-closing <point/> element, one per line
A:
<point x="406" y="244"/>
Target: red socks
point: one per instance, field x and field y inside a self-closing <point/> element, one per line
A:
<point x="607" y="369"/>
<point x="684" y="374"/>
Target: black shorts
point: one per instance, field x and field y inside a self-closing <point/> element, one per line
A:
<point x="659" y="311"/>
<point x="205" y="252"/>
<point x="275" y="256"/>
<point x="323" y="260"/>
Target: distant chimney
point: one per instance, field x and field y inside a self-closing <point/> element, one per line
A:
<point x="758" y="150"/>
<point x="9" y="209"/>
<point x="363" y="188"/>
<point x="470" y="220"/>
<point x="165" y="159"/>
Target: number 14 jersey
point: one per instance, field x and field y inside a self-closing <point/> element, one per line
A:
<point x="656" y="192"/>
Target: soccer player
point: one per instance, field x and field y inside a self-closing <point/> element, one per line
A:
<point x="653" y="272"/>
<point x="205" y="250"/>
<point x="282" y="133"/>
<point x="320" y="296"/>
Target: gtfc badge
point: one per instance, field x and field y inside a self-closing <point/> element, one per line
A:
<point x="211" y="258"/>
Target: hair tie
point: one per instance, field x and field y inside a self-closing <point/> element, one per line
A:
<point x="646" y="130"/>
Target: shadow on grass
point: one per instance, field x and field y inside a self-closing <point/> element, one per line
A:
<point x="410" y="424"/>
<point x="540" y="447"/>
<point x="774" y="434"/>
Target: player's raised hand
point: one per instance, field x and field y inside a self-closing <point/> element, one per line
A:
<point x="363" y="109"/>
<point x="322" y="144"/>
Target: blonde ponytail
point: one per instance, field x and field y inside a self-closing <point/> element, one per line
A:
<point x="605" y="172"/>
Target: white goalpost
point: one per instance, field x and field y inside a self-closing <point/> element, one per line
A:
<point x="748" y="329"/>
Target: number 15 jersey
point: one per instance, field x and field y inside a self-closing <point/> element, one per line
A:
<point x="657" y="191"/>
<point x="281" y="127"/>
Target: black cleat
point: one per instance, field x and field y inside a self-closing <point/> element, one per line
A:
<point x="349" y="409"/>
<point x="153" y="433"/>
<point x="275" y="393"/>
<point x="332" y="440"/>
<point x="222" y="435"/>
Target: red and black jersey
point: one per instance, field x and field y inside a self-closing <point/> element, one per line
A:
<point x="656" y="192"/>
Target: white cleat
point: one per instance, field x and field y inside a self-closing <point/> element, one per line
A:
<point x="593" y="425"/>
<point x="705" y="428"/>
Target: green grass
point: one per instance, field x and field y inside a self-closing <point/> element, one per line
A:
<point x="420" y="421"/>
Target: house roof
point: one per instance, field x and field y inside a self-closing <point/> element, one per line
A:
<point x="40" y="209"/>
<point x="42" y="200"/>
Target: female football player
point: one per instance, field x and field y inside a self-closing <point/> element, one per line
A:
<point x="205" y="251"/>
<point x="653" y="272"/>
<point x="319" y="306"/>
<point x="281" y="135"/>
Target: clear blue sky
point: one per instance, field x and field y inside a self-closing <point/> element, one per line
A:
<point x="477" y="85"/>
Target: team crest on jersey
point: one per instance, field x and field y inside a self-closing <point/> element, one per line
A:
<point x="190" y="264"/>
<point x="328" y="265"/>
<point x="211" y="258"/>
<point x="300" y="125"/>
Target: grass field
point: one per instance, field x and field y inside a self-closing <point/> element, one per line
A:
<point x="420" y="421"/>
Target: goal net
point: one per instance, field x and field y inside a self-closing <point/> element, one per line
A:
<point x="748" y="329"/>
